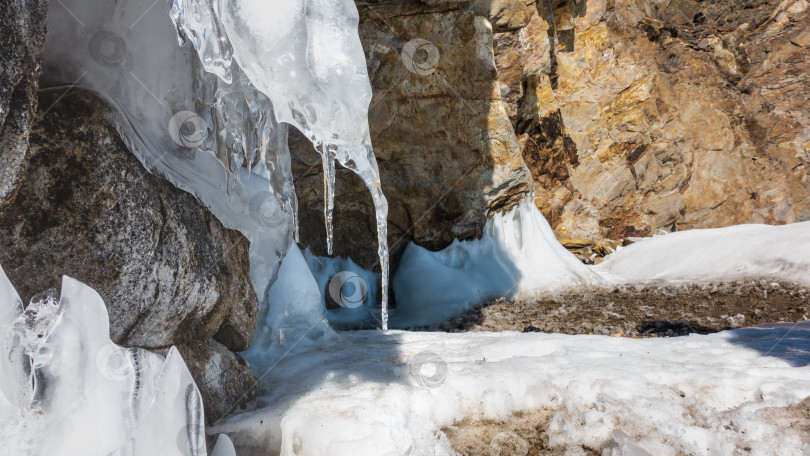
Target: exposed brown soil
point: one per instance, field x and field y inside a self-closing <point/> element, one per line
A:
<point x="524" y="433"/>
<point x="652" y="310"/>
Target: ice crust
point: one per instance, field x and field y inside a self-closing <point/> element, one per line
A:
<point x="211" y="115"/>
<point x="296" y="315"/>
<point x="68" y="390"/>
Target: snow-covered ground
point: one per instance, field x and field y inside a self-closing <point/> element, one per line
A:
<point x="735" y="252"/>
<point x="369" y="393"/>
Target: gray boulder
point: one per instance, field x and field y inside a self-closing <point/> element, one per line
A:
<point x="168" y="270"/>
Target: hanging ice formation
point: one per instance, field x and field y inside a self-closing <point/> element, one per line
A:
<point x="213" y="120"/>
<point x="65" y="388"/>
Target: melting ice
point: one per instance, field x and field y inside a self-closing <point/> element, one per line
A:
<point x="211" y="114"/>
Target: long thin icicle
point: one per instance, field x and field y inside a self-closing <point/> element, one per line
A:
<point x="381" y="210"/>
<point x="328" y="196"/>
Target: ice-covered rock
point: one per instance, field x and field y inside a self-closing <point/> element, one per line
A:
<point x="168" y="270"/>
<point x="83" y="394"/>
<point x="295" y="313"/>
<point x="215" y="126"/>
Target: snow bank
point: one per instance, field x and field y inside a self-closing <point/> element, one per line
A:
<point x="736" y="252"/>
<point x="368" y="393"/>
<point x="517" y="257"/>
<point x="66" y="389"/>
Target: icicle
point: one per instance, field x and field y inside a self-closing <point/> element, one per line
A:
<point x="329" y="194"/>
<point x="381" y="212"/>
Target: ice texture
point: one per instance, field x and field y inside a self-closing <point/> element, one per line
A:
<point x="518" y="256"/>
<point x="211" y="114"/>
<point x="15" y="368"/>
<point x="67" y="389"/>
<point x="324" y="269"/>
<point x="295" y="314"/>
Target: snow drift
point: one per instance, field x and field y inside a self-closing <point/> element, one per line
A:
<point x="368" y="393"/>
<point x="719" y="254"/>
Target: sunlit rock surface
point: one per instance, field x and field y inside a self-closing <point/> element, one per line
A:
<point x="168" y="270"/>
<point x="637" y="116"/>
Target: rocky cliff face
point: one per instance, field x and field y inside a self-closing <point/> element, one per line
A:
<point x="167" y="269"/>
<point x="632" y="116"/>
<point x="637" y="116"/>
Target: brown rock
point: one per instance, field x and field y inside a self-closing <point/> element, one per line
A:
<point x="661" y="121"/>
<point x="445" y="145"/>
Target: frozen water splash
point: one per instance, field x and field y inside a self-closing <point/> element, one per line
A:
<point x="243" y="72"/>
<point x="67" y="389"/>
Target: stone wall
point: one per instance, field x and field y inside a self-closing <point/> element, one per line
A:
<point x="22" y="34"/>
<point x="638" y="116"/>
<point x="631" y="116"/>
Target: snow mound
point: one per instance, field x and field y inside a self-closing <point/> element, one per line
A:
<point x="736" y="252"/>
<point x="517" y="257"/>
<point x="65" y="388"/>
<point x="372" y="393"/>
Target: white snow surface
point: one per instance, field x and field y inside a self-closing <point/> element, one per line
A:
<point x="372" y="393"/>
<point x="718" y="254"/>
<point x="66" y="389"/>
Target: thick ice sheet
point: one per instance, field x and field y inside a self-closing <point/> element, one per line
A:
<point x="367" y="314"/>
<point x="736" y="252"/>
<point x="517" y="257"/>
<point x="368" y="393"/>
